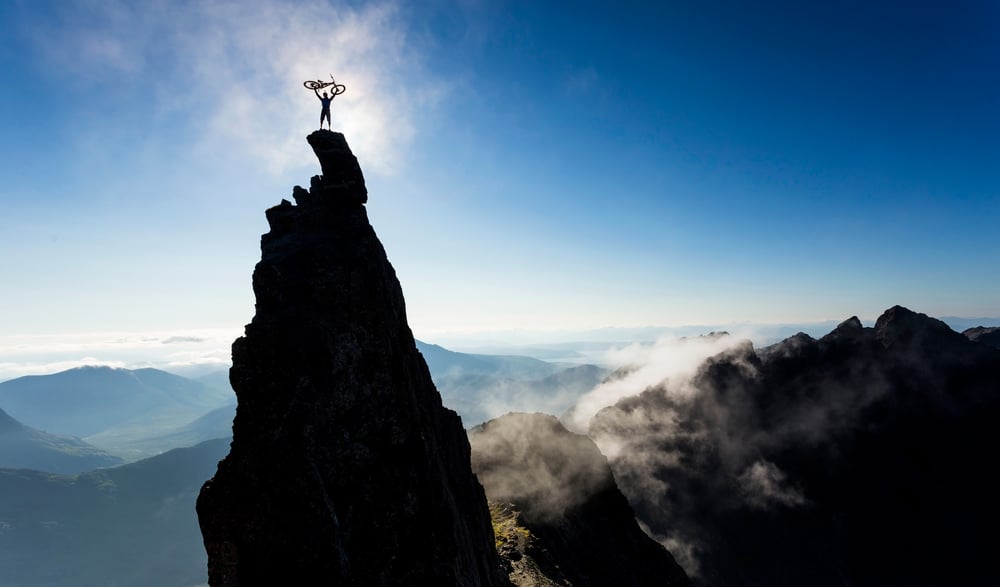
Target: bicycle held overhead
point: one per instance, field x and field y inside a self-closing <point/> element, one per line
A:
<point x="326" y="98"/>
<point x="314" y="85"/>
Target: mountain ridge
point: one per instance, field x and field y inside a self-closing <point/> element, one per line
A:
<point x="94" y="399"/>
<point x="843" y="459"/>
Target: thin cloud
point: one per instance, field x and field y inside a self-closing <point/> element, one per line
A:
<point x="764" y="485"/>
<point x="181" y="339"/>
<point x="237" y="70"/>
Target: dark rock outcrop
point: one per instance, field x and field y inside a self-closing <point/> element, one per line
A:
<point x="345" y="468"/>
<point x="863" y="458"/>
<point x="985" y="334"/>
<point x="560" y="518"/>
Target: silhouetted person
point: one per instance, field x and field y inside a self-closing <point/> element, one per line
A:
<point x="325" y="113"/>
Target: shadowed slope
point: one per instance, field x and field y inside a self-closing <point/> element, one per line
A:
<point x="560" y="518"/>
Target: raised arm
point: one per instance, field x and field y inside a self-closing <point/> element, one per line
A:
<point x="316" y="91"/>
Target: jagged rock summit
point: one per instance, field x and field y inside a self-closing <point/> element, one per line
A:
<point x="345" y="468"/>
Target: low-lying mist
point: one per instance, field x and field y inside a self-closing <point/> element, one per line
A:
<point x="533" y="461"/>
<point x="641" y="366"/>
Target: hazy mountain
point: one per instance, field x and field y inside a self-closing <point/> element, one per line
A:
<point x="446" y="363"/>
<point x="139" y="442"/>
<point x="863" y="458"/>
<point x="88" y="400"/>
<point x="478" y="398"/>
<point x="23" y="447"/>
<point x="480" y="387"/>
<point x="109" y="407"/>
<point x="962" y="324"/>
<point x="218" y="380"/>
<point x="132" y="525"/>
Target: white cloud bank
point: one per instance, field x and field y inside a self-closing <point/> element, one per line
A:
<point x="190" y="352"/>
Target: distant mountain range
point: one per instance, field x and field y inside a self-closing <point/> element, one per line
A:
<point x="962" y="324"/>
<point x="480" y="387"/>
<point x="90" y="400"/>
<point x="117" y="410"/>
<point x="446" y="363"/>
<point x="90" y="417"/>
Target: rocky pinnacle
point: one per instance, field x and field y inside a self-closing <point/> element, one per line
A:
<point x="345" y="468"/>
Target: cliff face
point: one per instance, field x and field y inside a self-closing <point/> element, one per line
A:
<point x="345" y="468"/>
<point x="559" y="515"/>
<point x="863" y="458"/>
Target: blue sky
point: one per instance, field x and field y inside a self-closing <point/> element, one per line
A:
<point x="531" y="165"/>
